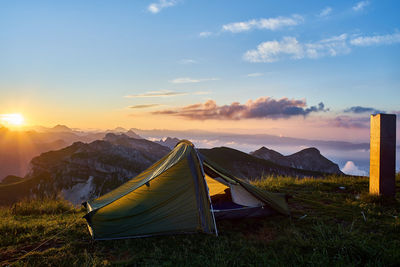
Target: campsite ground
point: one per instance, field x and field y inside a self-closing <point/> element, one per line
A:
<point x="334" y="222"/>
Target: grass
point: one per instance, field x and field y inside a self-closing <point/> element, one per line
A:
<point x="334" y="222"/>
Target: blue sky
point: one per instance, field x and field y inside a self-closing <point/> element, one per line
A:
<point x="109" y="63"/>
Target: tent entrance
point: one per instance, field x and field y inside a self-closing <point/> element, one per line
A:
<point x="232" y="201"/>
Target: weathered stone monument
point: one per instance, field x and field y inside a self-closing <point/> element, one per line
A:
<point x="383" y="155"/>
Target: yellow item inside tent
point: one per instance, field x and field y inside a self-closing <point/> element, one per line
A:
<point x="214" y="186"/>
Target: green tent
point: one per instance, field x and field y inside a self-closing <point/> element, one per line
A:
<point x="184" y="192"/>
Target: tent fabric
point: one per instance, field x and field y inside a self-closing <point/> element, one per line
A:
<point x="153" y="171"/>
<point x="174" y="196"/>
<point x="169" y="197"/>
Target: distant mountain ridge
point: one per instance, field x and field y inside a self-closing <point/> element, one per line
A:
<point x="252" y="139"/>
<point x="246" y="166"/>
<point x="82" y="171"/>
<point x="306" y="159"/>
<point x="168" y="142"/>
<point x="17" y="148"/>
<point x="21" y="146"/>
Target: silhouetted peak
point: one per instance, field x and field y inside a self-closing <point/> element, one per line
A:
<point x="266" y="151"/>
<point x="120" y="129"/>
<point x="112" y="137"/>
<point x="169" y="142"/>
<point x="132" y="134"/>
<point x="60" y="128"/>
<point x="310" y="150"/>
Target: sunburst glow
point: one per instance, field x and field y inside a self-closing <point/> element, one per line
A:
<point x="14" y="119"/>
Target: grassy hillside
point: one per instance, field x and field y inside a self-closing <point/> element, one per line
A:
<point x="334" y="222"/>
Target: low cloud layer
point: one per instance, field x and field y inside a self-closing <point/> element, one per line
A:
<point x="261" y="108"/>
<point x="350" y="122"/>
<point x="360" y="109"/>
<point x="351" y="169"/>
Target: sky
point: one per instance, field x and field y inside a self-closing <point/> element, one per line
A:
<point x="309" y="69"/>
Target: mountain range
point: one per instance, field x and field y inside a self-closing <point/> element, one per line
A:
<point x="17" y="148"/>
<point x="81" y="171"/>
<point x="201" y="136"/>
<point x="306" y="159"/>
<point x="86" y="170"/>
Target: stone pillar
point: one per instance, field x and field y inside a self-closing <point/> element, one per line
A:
<point x="382" y="170"/>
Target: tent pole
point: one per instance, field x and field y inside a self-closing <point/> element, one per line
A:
<point x="208" y="192"/>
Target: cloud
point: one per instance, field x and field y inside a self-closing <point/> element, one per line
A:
<point x="261" y="108"/>
<point x="351" y="169"/>
<point x="290" y="47"/>
<point x="202" y="93"/>
<point x="350" y="122"/>
<point x="161" y="93"/>
<point x="360" y="5"/>
<point x="187" y="61"/>
<point x="161" y="4"/>
<point x="191" y="80"/>
<point x="269" y="24"/>
<point x="255" y="74"/>
<point x="359" y="109"/>
<point x="325" y="12"/>
<point x="376" y="40"/>
<point x="205" y="34"/>
<point x="272" y="51"/>
<point x="144" y="106"/>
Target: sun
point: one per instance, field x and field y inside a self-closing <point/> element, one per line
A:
<point x="14" y="119"/>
